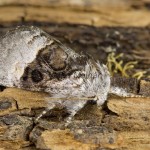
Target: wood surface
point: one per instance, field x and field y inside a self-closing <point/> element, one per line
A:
<point x="98" y="28"/>
<point x="91" y="12"/>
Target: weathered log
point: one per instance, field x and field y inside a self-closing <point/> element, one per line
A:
<point x="121" y="123"/>
<point x="97" y="13"/>
<point x="113" y="126"/>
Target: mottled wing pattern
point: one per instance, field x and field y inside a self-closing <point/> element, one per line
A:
<point x="53" y="65"/>
<point x="33" y="60"/>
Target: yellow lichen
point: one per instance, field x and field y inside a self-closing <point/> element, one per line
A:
<point x="115" y="64"/>
<point x="139" y="75"/>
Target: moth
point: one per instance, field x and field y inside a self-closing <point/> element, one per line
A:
<point x="33" y="60"/>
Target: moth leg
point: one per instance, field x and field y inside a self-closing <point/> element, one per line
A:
<point x="73" y="108"/>
<point x="70" y="118"/>
<point x="44" y="112"/>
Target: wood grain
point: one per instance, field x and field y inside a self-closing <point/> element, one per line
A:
<point x="94" y="27"/>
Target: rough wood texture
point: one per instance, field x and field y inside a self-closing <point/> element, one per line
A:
<point x="121" y="123"/>
<point x="97" y="13"/>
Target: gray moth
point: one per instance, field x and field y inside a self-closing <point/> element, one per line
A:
<point x="33" y="60"/>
